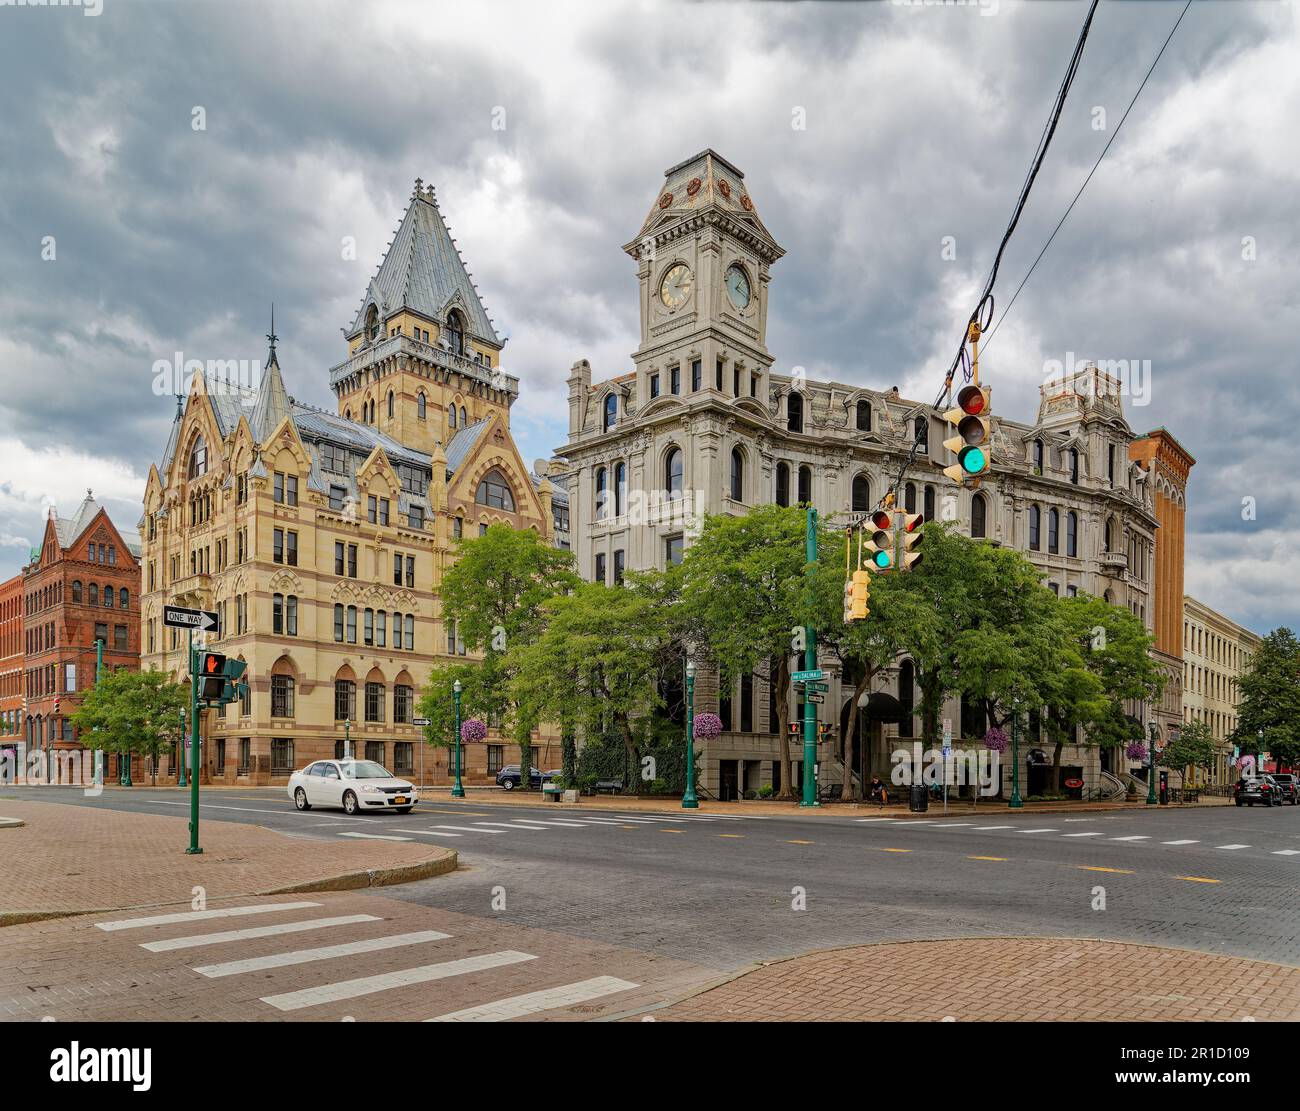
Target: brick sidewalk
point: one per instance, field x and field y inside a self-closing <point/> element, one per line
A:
<point x="74" y="859"/>
<point x="1002" y="979"/>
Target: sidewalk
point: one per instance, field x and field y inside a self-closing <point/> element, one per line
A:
<point x="78" y="859"/>
<point x="1001" y="979"/>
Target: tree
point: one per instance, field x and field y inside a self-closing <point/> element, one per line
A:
<point x="437" y="701"/>
<point x="1193" y="747"/>
<point x="132" y="711"/>
<point x="593" y="664"/>
<point x="496" y="592"/>
<point x="743" y="587"/>
<point x="1270" y="699"/>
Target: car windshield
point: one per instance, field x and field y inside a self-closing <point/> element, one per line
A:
<point x="364" y="769"/>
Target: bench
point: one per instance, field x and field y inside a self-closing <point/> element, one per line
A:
<point x="829" y="790"/>
<point x="1185" y="794"/>
<point x="610" y="786"/>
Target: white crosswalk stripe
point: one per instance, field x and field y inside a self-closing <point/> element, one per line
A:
<point x="464" y="829"/>
<point x="951" y="825"/>
<point x="373" y="836"/>
<point x="368" y="985"/>
<point x="435" y="833"/>
<point x="1083" y="835"/>
<point x="327" y="952"/>
<point x="561" y="824"/>
<point x="511" y="825"/>
<point x="862" y="821"/>
<point x="1135" y="837"/>
<point x="977" y="828"/>
<point x="200" y="915"/>
<point x="195" y="940"/>
<point x="1286" y="852"/>
<point x="1182" y="842"/>
<point x="534" y="1002"/>
<point x="1232" y="846"/>
<point x="1037" y="831"/>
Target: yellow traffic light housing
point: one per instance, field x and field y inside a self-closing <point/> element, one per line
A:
<point x="880" y="541"/>
<point x="970" y="443"/>
<point x="859" y="587"/>
<point x="909" y="539"/>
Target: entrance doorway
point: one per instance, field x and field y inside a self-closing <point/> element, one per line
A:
<point x="728" y="781"/>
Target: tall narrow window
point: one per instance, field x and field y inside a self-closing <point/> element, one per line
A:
<point x="455" y="333"/>
<point x="620" y="489"/>
<point x="978" y="513"/>
<point x="782" y="484"/>
<point x="421" y="406"/>
<point x="861" y="494"/>
<point x="1053" y="531"/>
<point x="921" y="434"/>
<point x="864" y="416"/>
<point x="697" y="374"/>
<point x="674" y="473"/>
<point x="805" y="485"/>
<point x="1038" y="456"/>
<point x="1035" y="523"/>
<point x="602" y="492"/>
<point x="737" y="474"/>
<point x="794" y="412"/>
<point x="929" y="503"/>
<point x="611" y="412"/>
<point x="1074" y="466"/>
<point x="1072" y="534"/>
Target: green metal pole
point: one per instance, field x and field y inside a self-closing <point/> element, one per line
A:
<point x="810" y="664"/>
<point x="689" y="801"/>
<point x="180" y="749"/>
<point x="1017" y="802"/>
<point x="458" y="791"/>
<point x="194" y="849"/>
<point x="1151" y="765"/>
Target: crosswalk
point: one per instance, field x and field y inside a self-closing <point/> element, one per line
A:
<point x="927" y="824"/>
<point x="319" y="969"/>
<point x="506" y="826"/>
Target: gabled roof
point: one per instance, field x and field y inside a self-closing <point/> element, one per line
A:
<point x="272" y="402"/>
<point x="424" y="272"/>
<point x="461" y="444"/>
<point x="69" y="529"/>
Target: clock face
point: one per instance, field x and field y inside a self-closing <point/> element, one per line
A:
<point x="738" y="287"/>
<point x="676" y="286"/>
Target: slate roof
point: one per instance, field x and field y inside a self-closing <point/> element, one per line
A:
<point x="461" y="444"/>
<point x="272" y="402"/>
<point x="68" y="529"/>
<point x="720" y="184"/>
<point x="423" y="271"/>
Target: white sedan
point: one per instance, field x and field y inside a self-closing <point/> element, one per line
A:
<point x="355" y="785"/>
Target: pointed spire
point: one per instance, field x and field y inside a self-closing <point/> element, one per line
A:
<point x="273" y="403"/>
<point x="271" y="338"/>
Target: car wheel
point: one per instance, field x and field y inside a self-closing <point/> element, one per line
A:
<point x="508" y="784"/>
<point x="349" y="803"/>
<point x="300" y="799"/>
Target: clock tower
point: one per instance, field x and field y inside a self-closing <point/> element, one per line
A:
<point x="703" y="260"/>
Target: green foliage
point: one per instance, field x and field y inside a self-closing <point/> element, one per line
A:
<point x="132" y="711"/>
<point x="1194" y="747"/>
<point x="1270" y="699"/>
<point x="479" y="698"/>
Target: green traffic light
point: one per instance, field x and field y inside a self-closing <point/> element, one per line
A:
<point x="881" y="559"/>
<point x="972" y="460"/>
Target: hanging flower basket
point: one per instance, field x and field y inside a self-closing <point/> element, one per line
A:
<point x="1136" y="750"/>
<point x="472" y="730"/>
<point x="708" y="727"/>
<point x="995" y="740"/>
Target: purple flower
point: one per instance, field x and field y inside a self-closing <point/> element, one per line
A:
<point x="1136" y="750"/>
<point x="996" y="740"/>
<point x="472" y="730"/>
<point x="707" y="726"/>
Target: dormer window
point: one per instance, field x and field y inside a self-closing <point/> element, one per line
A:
<point x="864" y="416"/>
<point x="372" y="323"/>
<point x="794" y="412"/>
<point x="198" y="458"/>
<point x="456" y="332"/>
<point x="611" y="413"/>
<point x="1038" y="456"/>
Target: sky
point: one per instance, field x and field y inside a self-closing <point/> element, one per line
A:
<point x="168" y="170"/>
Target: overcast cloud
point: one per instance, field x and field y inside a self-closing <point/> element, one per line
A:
<point x="920" y="121"/>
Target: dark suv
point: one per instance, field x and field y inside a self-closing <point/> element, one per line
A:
<point x="1257" y="788"/>
<point x="509" y="777"/>
<point x="1288" y="787"/>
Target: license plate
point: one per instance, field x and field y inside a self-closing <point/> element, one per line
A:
<point x="399" y="799"/>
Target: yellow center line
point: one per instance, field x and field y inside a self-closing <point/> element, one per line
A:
<point x="731" y="835"/>
<point x="1197" y="879"/>
<point x="1117" y="871"/>
<point x="629" y="827"/>
<point x="895" y="850"/>
<point x="672" y="831"/>
<point x="986" y="858"/>
<point x="801" y="842"/>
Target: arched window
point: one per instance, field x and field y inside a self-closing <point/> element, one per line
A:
<point x="929" y="503"/>
<point x="390" y="404"/>
<point x="451" y="417"/>
<point x="1110" y="534"/>
<point x="674" y="474"/>
<point x="782" y="484"/>
<point x="864" y="416"/>
<point x="620" y="488"/>
<point x="805" y="485"/>
<point x="463" y="422"/>
<point x="1106" y="596"/>
<point x="1035" y="523"/>
<point x="494" y="491"/>
<point x="1038" y="456"/>
<point x="108" y="597"/>
<point x="76" y="592"/>
<point x="794" y="412"/>
<point x="978" y="517"/>
<point x="198" y="458"/>
<point x="611" y="412"/>
<point x="421" y="405"/>
<point x="1053" y="531"/>
<point x="347" y="413"/>
<point x="921" y="434"/>
<point x="372" y="323"/>
<point x="909" y="497"/>
<point x="861" y="494"/>
<point x="93" y="594"/>
<point x="455" y="332"/>
<point x="602" y="492"/>
<point x="1072" y="534"/>
<point x="123" y="599"/>
<point x="737" y="474"/>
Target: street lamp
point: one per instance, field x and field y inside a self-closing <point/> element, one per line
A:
<point x="180" y="774"/>
<point x="347" y="738"/>
<point x="457" y="791"/>
<point x="689" y="801"/>
<point x="1017" y="803"/>
<point x="1151" y="765"/>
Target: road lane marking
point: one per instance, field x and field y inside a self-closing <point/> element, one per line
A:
<point x="1232" y="846"/>
<point x="895" y="850"/>
<point x="672" y="831"/>
<point x="1197" y="879"/>
<point x="1038" y="831"/>
<point x="327" y="952"/>
<point x="193" y="941"/>
<point x="1182" y="842"/>
<point x="373" y="836"/>
<point x="977" y="828"/>
<point x="199" y="915"/>
<point x="986" y="858"/>
<point x="1083" y="835"/>
<point x="435" y="833"/>
<point x="538" y="821"/>
<point x="368" y="985"/>
<point x="861" y="821"/>
<point x="463" y="829"/>
<point x="1135" y="837"/>
<point x="510" y="825"/>
<point x="951" y="825"/>
<point x="534" y="1002"/>
<point x="1286" y="852"/>
<point x="617" y="821"/>
<point x="739" y="835"/>
<point x="1097" y="868"/>
<point x="801" y="842"/>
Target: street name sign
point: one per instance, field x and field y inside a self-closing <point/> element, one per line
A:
<point x="804" y="676"/>
<point x="178" y="617"/>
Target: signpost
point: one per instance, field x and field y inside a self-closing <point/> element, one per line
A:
<point x="947" y="752"/>
<point x="810" y="673"/>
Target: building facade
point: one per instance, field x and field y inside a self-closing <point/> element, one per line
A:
<point x="81" y="587"/>
<point x="1216" y="652"/>
<point x="703" y="424"/>
<point x="320" y="539"/>
<point x="11" y="666"/>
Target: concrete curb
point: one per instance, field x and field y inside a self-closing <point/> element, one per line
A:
<point x="11" y="823"/>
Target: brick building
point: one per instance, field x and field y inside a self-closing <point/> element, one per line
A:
<point x="82" y="586"/>
<point x="11" y="663"/>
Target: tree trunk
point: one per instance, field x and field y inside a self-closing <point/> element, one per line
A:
<point x="629" y="746"/>
<point x="850" y="734"/>
<point x="783" y="739"/>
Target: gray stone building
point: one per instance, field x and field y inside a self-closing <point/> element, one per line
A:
<point x="703" y="424"/>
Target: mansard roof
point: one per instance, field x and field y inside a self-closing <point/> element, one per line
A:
<point x="702" y="181"/>
<point x="424" y="272"/>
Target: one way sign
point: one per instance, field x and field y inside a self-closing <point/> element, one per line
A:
<point x="178" y="617"/>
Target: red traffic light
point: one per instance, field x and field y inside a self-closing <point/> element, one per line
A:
<point x="213" y="663"/>
<point x="795" y="728"/>
<point x="883" y="520"/>
<point x="971" y="400"/>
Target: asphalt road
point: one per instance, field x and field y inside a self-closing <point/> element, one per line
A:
<point x="725" y="892"/>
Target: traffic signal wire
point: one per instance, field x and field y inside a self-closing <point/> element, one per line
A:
<point x="1113" y="137"/>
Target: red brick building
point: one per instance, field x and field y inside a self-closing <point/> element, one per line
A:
<point x="83" y="586"/>
<point x="11" y="665"/>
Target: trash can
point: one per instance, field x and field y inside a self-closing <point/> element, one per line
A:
<point x="1164" y="788"/>
<point x="919" y="800"/>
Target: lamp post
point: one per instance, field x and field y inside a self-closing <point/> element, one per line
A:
<point x="347" y="738"/>
<point x="180" y="755"/>
<point x="1151" y="765"/>
<point x="689" y="801"/>
<point x="457" y="791"/>
<point x="1017" y="803"/>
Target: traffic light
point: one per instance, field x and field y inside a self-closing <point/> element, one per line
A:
<point x="794" y="728"/>
<point x="970" y="421"/>
<point x="823" y="731"/>
<point x="909" y="539"/>
<point x="212" y="676"/>
<point x="880" y="544"/>
<point x="848" y="600"/>
<point x="860" y="588"/>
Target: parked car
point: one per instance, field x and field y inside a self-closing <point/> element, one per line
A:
<point x="354" y="785"/>
<point x="1288" y="786"/>
<point x="1256" y="788"/>
<point x="509" y="777"/>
